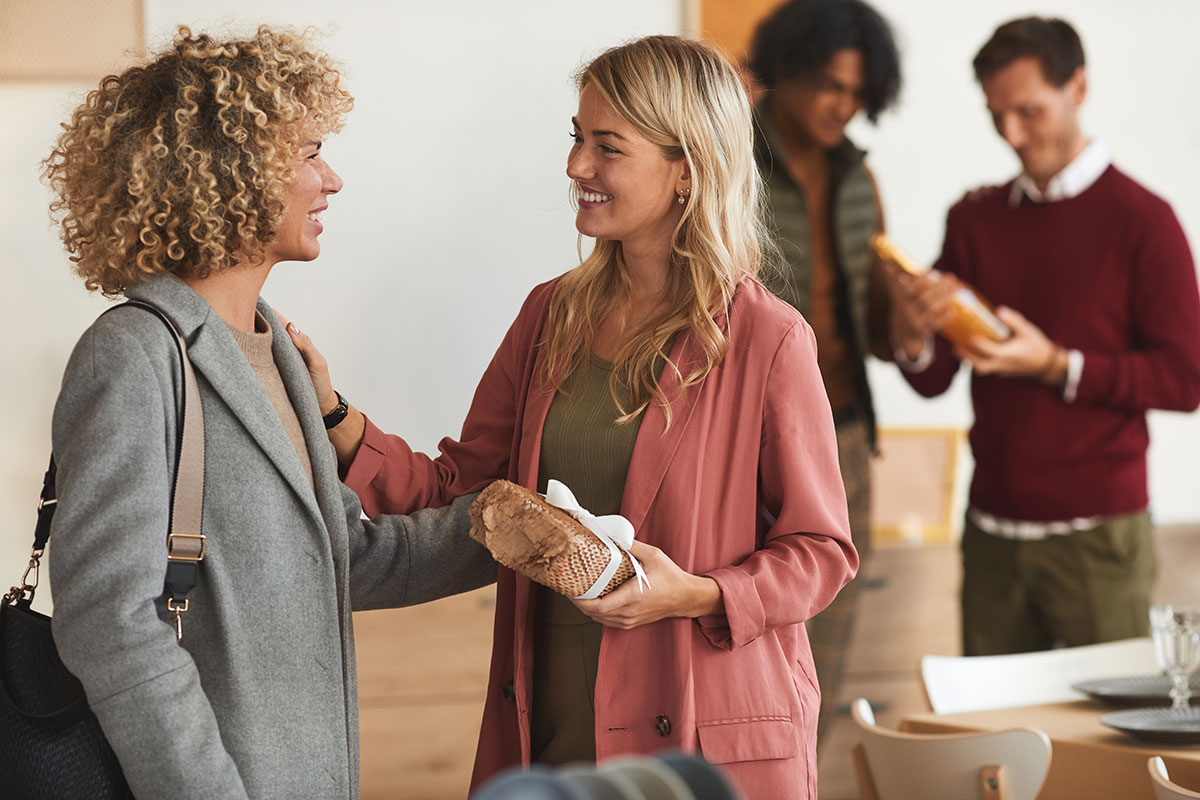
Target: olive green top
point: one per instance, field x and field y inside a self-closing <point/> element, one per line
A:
<point x="582" y="444"/>
<point x="584" y="448"/>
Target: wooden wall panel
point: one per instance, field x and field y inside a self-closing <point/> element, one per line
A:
<point x="730" y="24"/>
<point x="68" y="40"/>
<point x="913" y="483"/>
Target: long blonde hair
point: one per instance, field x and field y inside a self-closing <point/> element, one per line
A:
<point x="684" y="97"/>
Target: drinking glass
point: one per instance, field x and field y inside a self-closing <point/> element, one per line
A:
<point x="1176" y="633"/>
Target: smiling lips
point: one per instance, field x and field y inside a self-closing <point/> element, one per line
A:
<point x="592" y="198"/>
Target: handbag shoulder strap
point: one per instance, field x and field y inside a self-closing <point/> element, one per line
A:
<point x="185" y="537"/>
<point x="187" y="506"/>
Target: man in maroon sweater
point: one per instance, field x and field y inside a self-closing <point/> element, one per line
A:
<point x="1094" y="276"/>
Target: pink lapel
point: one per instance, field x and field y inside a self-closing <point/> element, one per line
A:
<point x="655" y="446"/>
<point x="537" y="405"/>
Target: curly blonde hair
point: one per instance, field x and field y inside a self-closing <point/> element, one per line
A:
<point x="181" y="164"/>
<point x="685" y="97"/>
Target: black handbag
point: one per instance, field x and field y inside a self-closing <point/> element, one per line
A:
<point x="51" y="744"/>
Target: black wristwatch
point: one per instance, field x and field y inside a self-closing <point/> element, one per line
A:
<point x="339" y="412"/>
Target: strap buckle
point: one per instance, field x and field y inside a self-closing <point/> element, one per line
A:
<point x="186" y="547"/>
<point x="177" y="616"/>
<point x="182" y="548"/>
<point x="26" y="589"/>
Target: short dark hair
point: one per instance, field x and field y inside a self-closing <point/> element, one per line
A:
<point x="800" y="37"/>
<point x="1053" y="42"/>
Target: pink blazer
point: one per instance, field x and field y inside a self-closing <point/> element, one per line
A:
<point x="743" y="487"/>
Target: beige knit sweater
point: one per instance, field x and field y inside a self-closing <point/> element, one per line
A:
<point x="257" y="347"/>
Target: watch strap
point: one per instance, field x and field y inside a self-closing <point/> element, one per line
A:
<point x="339" y="412"/>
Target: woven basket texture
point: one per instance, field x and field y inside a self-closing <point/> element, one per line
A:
<point x="541" y="541"/>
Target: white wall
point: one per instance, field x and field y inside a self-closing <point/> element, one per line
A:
<point x="455" y="199"/>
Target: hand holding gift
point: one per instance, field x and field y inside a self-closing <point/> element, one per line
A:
<point x="553" y="540"/>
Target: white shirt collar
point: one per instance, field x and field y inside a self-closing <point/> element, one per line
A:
<point x="1072" y="180"/>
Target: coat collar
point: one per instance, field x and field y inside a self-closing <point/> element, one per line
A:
<point x="217" y="358"/>
<point x="321" y="455"/>
<point x="656" y="444"/>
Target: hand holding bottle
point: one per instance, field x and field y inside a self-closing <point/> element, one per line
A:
<point x="1028" y="353"/>
<point x="921" y="306"/>
<point x="936" y="301"/>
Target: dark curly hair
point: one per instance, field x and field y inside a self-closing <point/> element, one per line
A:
<point x="1053" y="42"/>
<point x="181" y="164"/>
<point x="800" y="37"/>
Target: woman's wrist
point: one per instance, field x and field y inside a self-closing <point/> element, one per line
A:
<point x="346" y="437"/>
<point x="706" y="598"/>
<point x="334" y="416"/>
<point x="328" y="404"/>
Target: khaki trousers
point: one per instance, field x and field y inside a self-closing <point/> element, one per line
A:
<point x="1068" y="589"/>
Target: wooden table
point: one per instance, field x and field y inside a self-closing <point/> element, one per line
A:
<point x="1088" y="760"/>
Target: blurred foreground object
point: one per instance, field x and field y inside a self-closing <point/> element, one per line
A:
<point x="666" y="776"/>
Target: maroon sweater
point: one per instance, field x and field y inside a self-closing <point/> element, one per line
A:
<point x="1109" y="273"/>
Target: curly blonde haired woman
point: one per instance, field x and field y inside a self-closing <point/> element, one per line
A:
<point x="181" y="183"/>
<point x="660" y="380"/>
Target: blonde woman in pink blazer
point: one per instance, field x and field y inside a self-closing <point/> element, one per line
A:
<point x="710" y="420"/>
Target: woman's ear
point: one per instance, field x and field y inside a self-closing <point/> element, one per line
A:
<point x="683" y="186"/>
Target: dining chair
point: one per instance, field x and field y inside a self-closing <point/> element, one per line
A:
<point x="955" y="684"/>
<point x="896" y="765"/>
<point x="1164" y="788"/>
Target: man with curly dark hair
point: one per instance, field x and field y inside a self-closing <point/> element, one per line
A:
<point x="181" y="183"/>
<point x="822" y="62"/>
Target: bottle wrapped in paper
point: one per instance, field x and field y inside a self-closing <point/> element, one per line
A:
<point x="972" y="315"/>
<point x="554" y="541"/>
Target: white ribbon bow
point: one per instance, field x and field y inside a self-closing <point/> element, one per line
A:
<point x="614" y="530"/>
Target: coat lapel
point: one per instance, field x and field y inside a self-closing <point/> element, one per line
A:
<point x="217" y="358"/>
<point x="537" y="406"/>
<point x="533" y="420"/>
<point x="320" y="452"/>
<point x="655" y="446"/>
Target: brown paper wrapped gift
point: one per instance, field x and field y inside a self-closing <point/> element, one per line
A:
<point x="542" y="542"/>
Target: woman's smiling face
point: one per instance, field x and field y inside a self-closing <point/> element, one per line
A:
<point x="627" y="188"/>
<point x="307" y="197"/>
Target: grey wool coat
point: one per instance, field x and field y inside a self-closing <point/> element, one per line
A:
<point x="260" y="700"/>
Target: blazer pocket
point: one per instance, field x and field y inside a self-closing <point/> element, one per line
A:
<point x="748" y="739"/>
